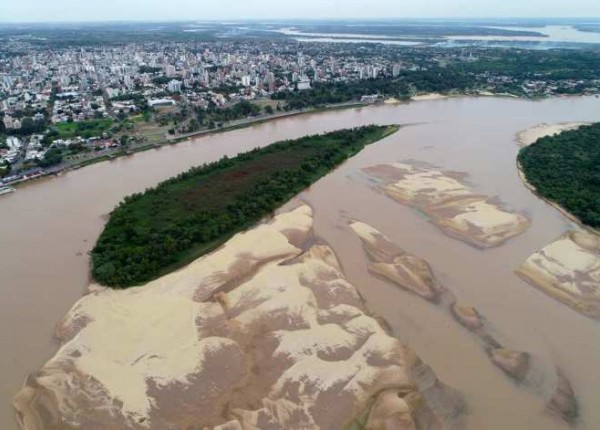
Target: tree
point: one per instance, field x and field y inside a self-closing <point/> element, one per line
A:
<point x="269" y="110"/>
<point x="52" y="157"/>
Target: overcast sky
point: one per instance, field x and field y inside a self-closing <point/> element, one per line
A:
<point x="102" y="10"/>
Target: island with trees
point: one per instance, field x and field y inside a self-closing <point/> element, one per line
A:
<point x="565" y="169"/>
<point x="152" y="233"/>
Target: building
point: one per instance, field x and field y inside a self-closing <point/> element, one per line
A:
<point x="271" y="80"/>
<point x="304" y="84"/>
<point x="174" y="86"/>
<point x="161" y="102"/>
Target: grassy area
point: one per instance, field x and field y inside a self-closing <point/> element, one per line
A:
<point x="85" y="129"/>
<point x="151" y="132"/>
<point x="185" y="217"/>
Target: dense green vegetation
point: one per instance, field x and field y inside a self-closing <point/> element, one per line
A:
<point x="52" y="157"/>
<point x="182" y="218"/>
<point x="566" y="169"/>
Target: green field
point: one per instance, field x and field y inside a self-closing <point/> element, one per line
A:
<point x="85" y="129"/>
<point x="566" y="169"/>
<point x="168" y="226"/>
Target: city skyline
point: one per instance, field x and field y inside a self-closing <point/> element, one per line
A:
<point x="177" y="10"/>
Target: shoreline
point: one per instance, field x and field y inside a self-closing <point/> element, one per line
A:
<point x="349" y="105"/>
<point x="523" y="139"/>
<point x="178" y="139"/>
<point x="533" y="134"/>
<point x="555" y="205"/>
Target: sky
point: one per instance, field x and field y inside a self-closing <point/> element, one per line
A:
<point x="163" y="10"/>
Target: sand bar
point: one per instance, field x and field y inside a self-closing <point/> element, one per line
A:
<point x="568" y="269"/>
<point x="530" y="136"/>
<point x="450" y="203"/>
<point x="245" y="337"/>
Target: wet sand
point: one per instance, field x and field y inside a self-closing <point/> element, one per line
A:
<point x="50" y="226"/>
<point x="530" y="136"/>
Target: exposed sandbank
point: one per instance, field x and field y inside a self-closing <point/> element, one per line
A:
<point x="389" y="261"/>
<point x="530" y="136"/>
<point x="246" y="337"/>
<point x="450" y="204"/>
<point x="569" y="270"/>
<point x="415" y="275"/>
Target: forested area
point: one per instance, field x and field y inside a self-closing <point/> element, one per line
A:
<point x="152" y="233"/>
<point x="566" y="169"/>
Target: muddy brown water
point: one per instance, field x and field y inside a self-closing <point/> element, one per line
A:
<point x="47" y="228"/>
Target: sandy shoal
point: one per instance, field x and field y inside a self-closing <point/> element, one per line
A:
<point x="530" y="136"/>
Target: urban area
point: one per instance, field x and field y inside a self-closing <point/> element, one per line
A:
<point x="67" y="106"/>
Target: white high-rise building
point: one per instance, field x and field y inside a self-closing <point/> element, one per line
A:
<point x="174" y="86"/>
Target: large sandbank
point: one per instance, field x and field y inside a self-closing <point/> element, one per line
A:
<point x="569" y="270"/>
<point x="474" y="218"/>
<point x="263" y="333"/>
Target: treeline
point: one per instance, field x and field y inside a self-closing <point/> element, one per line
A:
<point x="407" y="83"/>
<point x="182" y="218"/>
<point x="566" y="169"/>
<point x="242" y="109"/>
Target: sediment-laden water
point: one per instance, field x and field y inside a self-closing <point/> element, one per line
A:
<point x="47" y="229"/>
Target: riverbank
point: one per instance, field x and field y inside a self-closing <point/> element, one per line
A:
<point x="444" y="96"/>
<point x="568" y="269"/>
<point x="249" y="123"/>
<point x="555" y="205"/>
<point x="532" y="135"/>
<point x="181" y="138"/>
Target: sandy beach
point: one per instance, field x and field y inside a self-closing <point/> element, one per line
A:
<point x="530" y="136"/>
<point x="429" y="96"/>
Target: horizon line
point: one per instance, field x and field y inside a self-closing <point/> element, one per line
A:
<point x="230" y="20"/>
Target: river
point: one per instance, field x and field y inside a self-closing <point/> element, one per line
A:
<point x="48" y="227"/>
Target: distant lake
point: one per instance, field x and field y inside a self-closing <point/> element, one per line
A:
<point x="552" y="34"/>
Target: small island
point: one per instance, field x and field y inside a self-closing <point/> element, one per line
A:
<point x="167" y="227"/>
<point x="565" y="169"/>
